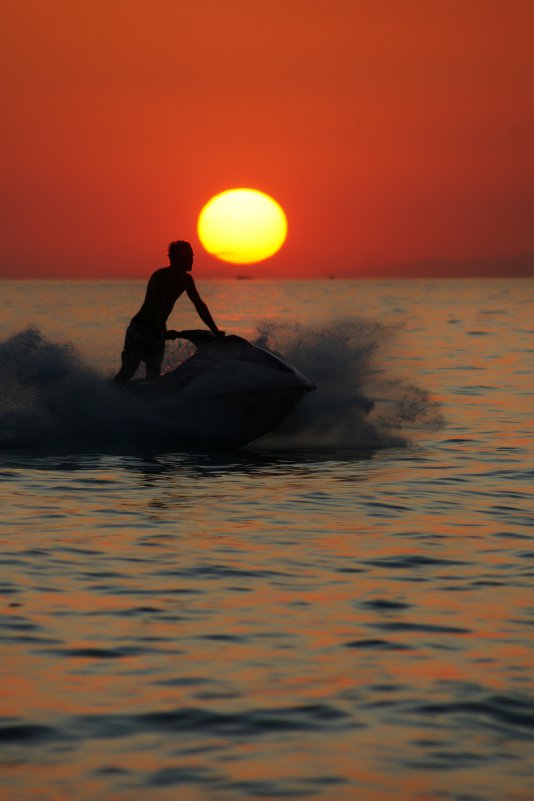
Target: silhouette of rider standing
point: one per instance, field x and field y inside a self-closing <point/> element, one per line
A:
<point x="147" y="332"/>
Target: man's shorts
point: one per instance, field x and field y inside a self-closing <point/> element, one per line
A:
<point x="143" y="343"/>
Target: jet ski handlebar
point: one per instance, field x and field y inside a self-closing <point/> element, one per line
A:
<point x="196" y="336"/>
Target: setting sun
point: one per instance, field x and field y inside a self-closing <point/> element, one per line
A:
<point x="242" y="226"/>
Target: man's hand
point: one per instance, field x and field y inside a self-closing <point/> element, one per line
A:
<point x="171" y="334"/>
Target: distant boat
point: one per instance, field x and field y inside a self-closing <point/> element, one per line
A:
<point x="243" y="278"/>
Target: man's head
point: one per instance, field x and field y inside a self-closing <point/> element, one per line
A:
<point x="181" y="255"/>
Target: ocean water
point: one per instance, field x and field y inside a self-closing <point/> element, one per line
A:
<point x="341" y="610"/>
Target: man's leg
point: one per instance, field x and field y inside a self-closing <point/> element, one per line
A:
<point x="153" y="358"/>
<point x="130" y="362"/>
<point x="153" y="367"/>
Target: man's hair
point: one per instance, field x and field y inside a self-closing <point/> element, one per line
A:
<point x="180" y="251"/>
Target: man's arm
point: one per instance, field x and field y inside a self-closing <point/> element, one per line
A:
<point x="202" y="310"/>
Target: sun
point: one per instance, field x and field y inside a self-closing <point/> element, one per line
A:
<point x="242" y="226"/>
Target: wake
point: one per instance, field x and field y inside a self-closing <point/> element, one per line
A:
<point x="350" y="365"/>
<point x="52" y="401"/>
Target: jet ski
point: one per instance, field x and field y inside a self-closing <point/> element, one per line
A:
<point x="229" y="393"/>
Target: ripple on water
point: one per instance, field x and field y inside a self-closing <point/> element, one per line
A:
<point x="325" y="624"/>
<point x="195" y="721"/>
<point x="511" y="716"/>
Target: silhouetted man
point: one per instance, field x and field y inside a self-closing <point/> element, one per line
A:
<point x="147" y="332"/>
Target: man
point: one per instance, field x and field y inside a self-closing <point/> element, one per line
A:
<point x="147" y="332"/>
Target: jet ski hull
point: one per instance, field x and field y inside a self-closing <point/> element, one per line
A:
<point x="227" y="395"/>
<point x="230" y="422"/>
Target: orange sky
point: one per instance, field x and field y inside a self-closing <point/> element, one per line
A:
<point x="389" y="130"/>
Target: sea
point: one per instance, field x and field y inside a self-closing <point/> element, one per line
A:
<point x="341" y="610"/>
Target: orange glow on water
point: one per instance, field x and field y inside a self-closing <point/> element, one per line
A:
<point x="388" y="588"/>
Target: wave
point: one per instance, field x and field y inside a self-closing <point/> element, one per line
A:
<point x="362" y="401"/>
<point x="52" y="400"/>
